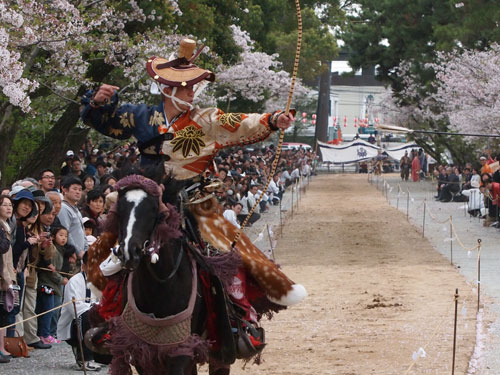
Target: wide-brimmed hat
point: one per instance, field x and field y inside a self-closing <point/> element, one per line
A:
<point x="181" y="71"/>
<point x="39" y="196"/>
<point x="26" y="194"/>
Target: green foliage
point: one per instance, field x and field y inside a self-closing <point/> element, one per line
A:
<point x="31" y="132"/>
<point x="273" y="25"/>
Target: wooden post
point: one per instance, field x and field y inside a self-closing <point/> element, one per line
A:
<point x="270" y="240"/>
<point x="80" y="339"/>
<point x="455" y="333"/>
<point x="408" y="204"/>
<point x="281" y="218"/>
<point x="423" y="223"/>
<point x="478" y="274"/>
<point x="451" y="240"/>
<point x="291" y="187"/>
<point x="397" y="200"/>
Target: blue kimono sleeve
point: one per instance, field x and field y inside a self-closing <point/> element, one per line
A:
<point x="119" y="122"/>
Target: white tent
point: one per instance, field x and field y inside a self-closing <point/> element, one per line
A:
<point x="359" y="150"/>
<point x="349" y="152"/>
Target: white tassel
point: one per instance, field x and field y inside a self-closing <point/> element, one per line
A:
<point x="154" y="258"/>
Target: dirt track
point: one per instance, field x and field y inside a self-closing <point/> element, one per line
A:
<point x="377" y="290"/>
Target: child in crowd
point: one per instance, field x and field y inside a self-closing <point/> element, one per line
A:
<point x="50" y="285"/>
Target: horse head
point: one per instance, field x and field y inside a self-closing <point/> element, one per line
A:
<point x="137" y="215"/>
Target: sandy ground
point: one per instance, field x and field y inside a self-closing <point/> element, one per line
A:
<point x="377" y="293"/>
<point x="377" y="290"/>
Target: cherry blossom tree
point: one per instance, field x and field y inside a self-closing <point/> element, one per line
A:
<point x="468" y="89"/>
<point x="256" y="76"/>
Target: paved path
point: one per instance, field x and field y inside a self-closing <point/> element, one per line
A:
<point x="469" y="230"/>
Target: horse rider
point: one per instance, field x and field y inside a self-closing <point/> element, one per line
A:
<point x="174" y="132"/>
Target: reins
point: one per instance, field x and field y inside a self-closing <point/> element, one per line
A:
<point x="174" y="271"/>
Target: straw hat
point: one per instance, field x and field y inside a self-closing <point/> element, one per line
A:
<point x="181" y="71"/>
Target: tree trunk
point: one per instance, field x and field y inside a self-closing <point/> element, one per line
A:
<point x="63" y="136"/>
<point x="7" y="134"/>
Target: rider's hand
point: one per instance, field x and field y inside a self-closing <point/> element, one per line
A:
<point x="104" y="94"/>
<point x="284" y="121"/>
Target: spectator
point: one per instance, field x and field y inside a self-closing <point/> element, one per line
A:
<point x="47" y="180"/>
<point x="24" y="208"/>
<point x="286" y="179"/>
<point x="415" y="168"/>
<point x="7" y="272"/>
<point x="101" y="169"/>
<point x="451" y="187"/>
<point x="39" y="255"/>
<point x="76" y="168"/>
<point x="404" y="165"/>
<point x="106" y="189"/>
<point x="108" y="180"/>
<point x="67" y="326"/>
<point x="94" y="208"/>
<point x="56" y="199"/>
<point x="66" y="165"/>
<point x="50" y="285"/>
<point x="475" y="197"/>
<point x="493" y="190"/>
<point x="232" y="213"/>
<point x="70" y="217"/>
<point x="89" y="183"/>
<point x="485" y="167"/>
<point x="91" y="169"/>
<point x="275" y="189"/>
<point x="247" y="202"/>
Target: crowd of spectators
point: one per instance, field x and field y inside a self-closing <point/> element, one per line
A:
<point x="477" y="184"/>
<point x="47" y="224"/>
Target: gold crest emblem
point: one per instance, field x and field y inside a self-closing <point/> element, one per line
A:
<point x="231" y="121"/>
<point x="188" y="139"/>
<point x="127" y="120"/>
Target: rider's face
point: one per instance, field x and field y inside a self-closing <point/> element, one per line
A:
<point x="183" y="93"/>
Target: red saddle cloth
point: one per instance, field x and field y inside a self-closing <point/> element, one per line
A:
<point x="111" y="303"/>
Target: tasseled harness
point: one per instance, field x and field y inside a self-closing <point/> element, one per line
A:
<point x="172" y="330"/>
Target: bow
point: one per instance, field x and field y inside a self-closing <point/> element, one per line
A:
<point x="282" y="132"/>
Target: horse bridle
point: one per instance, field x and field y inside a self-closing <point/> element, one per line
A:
<point x="174" y="271"/>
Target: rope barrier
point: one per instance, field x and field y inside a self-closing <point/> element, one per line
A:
<point x="460" y="241"/>
<point x="435" y="219"/>
<point x="46" y="312"/>
<point x="48" y="269"/>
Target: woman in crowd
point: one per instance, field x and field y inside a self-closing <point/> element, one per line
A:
<point x="24" y="209"/>
<point x="94" y="209"/>
<point x="39" y="255"/>
<point x="7" y="272"/>
<point x="89" y="182"/>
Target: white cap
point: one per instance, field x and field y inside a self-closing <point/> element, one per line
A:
<point x="110" y="266"/>
<point x="70" y="153"/>
<point x="91" y="239"/>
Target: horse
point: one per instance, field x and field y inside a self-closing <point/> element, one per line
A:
<point x="159" y="331"/>
<point x="166" y="309"/>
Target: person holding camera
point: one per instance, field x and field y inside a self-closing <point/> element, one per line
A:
<point x="39" y="254"/>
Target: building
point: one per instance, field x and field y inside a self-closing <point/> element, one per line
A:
<point x="352" y="99"/>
